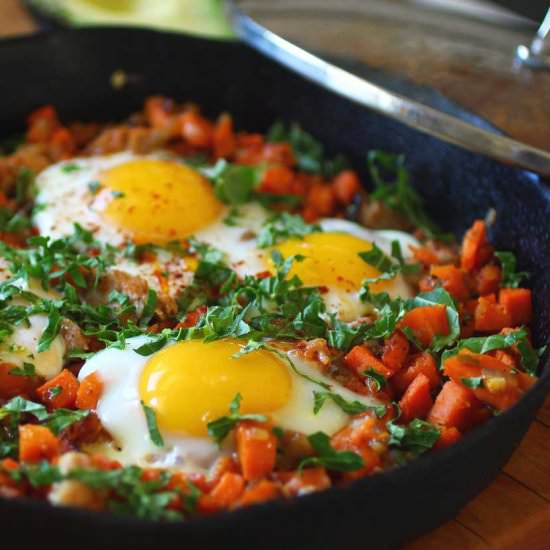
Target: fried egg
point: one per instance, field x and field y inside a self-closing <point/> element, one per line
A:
<point x="331" y="259"/>
<point x="332" y="262"/>
<point x="125" y="198"/>
<point x="152" y="199"/>
<point x="191" y="383"/>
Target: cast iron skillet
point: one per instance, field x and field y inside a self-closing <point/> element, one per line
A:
<point x="72" y="70"/>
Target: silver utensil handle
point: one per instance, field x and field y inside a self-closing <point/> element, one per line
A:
<point x="411" y="113"/>
<point x="537" y="54"/>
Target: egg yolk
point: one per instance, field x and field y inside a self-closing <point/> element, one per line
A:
<point x="331" y="260"/>
<point x="192" y="383"/>
<point x="158" y="201"/>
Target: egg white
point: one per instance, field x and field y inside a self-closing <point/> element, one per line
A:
<point x="239" y="242"/>
<point x="298" y="415"/>
<point x="382" y="237"/>
<point x="22" y="345"/>
<point x="169" y="274"/>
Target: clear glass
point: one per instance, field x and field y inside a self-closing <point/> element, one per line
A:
<point x="461" y="49"/>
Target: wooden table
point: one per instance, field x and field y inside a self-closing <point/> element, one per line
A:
<point x="514" y="511"/>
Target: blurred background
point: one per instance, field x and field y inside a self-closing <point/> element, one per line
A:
<point x="450" y="54"/>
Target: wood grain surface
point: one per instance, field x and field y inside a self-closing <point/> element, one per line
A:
<point x="13" y="19"/>
<point x="513" y="512"/>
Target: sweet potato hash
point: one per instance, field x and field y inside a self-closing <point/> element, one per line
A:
<point x="196" y="318"/>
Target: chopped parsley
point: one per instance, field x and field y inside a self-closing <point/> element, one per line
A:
<point x="38" y="475"/>
<point x="392" y="186"/>
<point x="510" y="277"/>
<point x="412" y="338"/>
<point x="52" y="329"/>
<point x="309" y="152"/>
<point x="94" y="187"/>
<point x="156" y="343"/>
<point x="349" y="407"/>
<point x="473" y="382"/>
<point x="405" y="267"/>
<point x="275" y="306"/>
<point x="56" y="420"/>
<point x="232" y="217"/>
<point x="151" y="419"/>
<point x="17" y="406"/>
<point x="13" y="222"/>
<point x="61" y="419"/>
<point x="52" y="261"/>
<point x="283" y="226"/>
<point x="27" y="369"/>
<point x="234" y="183"/>
<point x="377" y="379"/>
<point x="440" y="296"/>
<point x="148" y="308"/>
<point x="330" y="458"/>
<point x="389" y="313"/>
<point x="54" y="392"/>
<point x="24" y="186"/>
<point x="388" y="267"/>
<point x="529" y="356"/>
<point x="220" y="428"/>
<point x="485" y="344"/>
<point x="70" y="167"/>
<point x="127" y="492"/>
<point x="417" y="437"/>
<point x="78" y="261"/>
<point x="377" y="259"/>
<point x="343" y="336"/>
<point x="130" y="494"/>
<point x="273" y="201"/>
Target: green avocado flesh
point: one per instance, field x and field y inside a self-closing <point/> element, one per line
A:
<point x="204" y="17"/>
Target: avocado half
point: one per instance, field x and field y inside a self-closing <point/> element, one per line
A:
<point x="204" y="17"/>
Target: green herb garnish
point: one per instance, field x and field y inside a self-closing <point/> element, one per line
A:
<point x="56" y="421"/>
<point x="439" y="296"/>
<point x="309" y="152"/>
<point x="392" y="186"/>
<point x="26" y="370"/>
<point x="283" y="226"/>
<point x="94" y="187"/>
<point x="151" y="419"/>
<point x="377" y="379"/>
<point x="510" y="278"/>
<point x="220" y="428"/>
<point x="417" y="437"/>
<point x="349" y="407"/>
<point x="473" y="382"/>
<point x="330" y="458"/>
<point x="70" y="167"/>
<point x="233" y="183"/>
